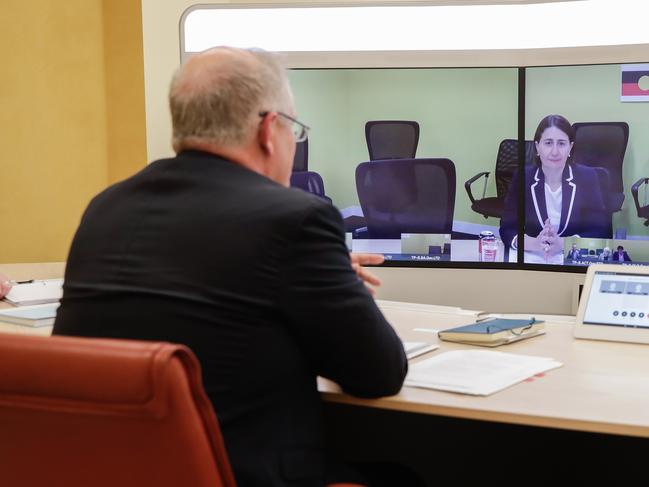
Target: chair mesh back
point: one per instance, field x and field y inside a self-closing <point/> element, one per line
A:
<point x="602" y="144"/>
<point x="605" y="184"/>
<point x="308" y="181"/>
<point x="301" y="159"/>
<point x="507" y="163"/>
<point x="392" y="139"/>
<point x="407" y="196"/>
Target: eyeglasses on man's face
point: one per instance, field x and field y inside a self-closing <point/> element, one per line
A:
<point x="300" y="131"/>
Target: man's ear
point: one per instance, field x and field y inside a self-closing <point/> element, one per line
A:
<point x="266" y="132"/>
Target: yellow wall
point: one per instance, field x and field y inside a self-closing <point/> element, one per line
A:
<point x="59" y="116"/>
<point x="124" y="68"/>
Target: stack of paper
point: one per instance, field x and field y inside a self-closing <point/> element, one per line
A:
<point x="476" y="372"/>
<point x="36" y="292"/>
<point x="39" y="315"/>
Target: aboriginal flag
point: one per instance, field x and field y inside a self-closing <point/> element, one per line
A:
<point x="632" y="86"/>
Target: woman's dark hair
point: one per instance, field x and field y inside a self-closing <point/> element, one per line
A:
<point x="559" y="122"/>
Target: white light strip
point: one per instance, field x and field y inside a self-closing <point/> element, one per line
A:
<point x="419" y="28"/>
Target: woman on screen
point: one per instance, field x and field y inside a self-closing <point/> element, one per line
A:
<point x="562" y="199"/>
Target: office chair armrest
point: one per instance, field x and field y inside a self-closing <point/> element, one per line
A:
<point x="361" y="232"/>
<point x="467" y="184"/>
<point x="634" y="191"/>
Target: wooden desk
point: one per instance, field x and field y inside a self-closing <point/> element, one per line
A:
<point x="595" y="408"/>
<point x="603" y="387"/>
<point x="598" y="401"/>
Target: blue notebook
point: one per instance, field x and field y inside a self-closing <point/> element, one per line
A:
<point x="495" y="331"/>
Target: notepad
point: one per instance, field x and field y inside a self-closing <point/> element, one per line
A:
<point x="36" y="292"/>
<point x="494" y="332"/>
<point x="35" y="316"/>
<point x="476" y="372"/>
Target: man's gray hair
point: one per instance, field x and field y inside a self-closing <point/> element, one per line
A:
<point x="219" y="103"/>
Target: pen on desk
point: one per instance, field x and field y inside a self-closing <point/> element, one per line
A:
<point x="28" y="281"/>
<point x="427" y="330"/>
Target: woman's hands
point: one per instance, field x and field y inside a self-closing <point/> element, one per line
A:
<point x="546" y="243"/>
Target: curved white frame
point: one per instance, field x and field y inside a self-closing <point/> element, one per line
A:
<point x="415" y="28"/>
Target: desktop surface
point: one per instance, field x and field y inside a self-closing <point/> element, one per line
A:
<point x="602" y="387"/>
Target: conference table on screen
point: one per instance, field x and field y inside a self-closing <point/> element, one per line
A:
<point x="602" y="387"/>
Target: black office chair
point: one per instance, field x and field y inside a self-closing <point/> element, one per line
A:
<point x="392" y="139"/>
<point x="642" y="210"/>
<point x="606" y="222"/>
<point x="301" y="177"/>
<point x="301" y="158"/>
<point x="506" y="165"/>
<point x="406" y="196"/>
<point x="603" y="144"/>
<point x="311" y="182"/>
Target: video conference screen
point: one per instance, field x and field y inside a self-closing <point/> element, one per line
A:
<point x="426" y="166"/>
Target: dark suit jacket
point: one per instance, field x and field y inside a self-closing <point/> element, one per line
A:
<point x="625" y="256"/>
<point x="583" y="211"/>
<point x="255" y="278"/>
<point x="573" y="254"/>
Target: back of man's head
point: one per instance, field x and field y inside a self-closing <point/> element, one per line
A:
<point x="216" y="96"/>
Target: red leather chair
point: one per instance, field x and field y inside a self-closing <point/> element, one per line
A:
<point x="92" y="412"/>
<point x="80" y="412"/>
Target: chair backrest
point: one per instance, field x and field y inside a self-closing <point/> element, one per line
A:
<point x="98" y="412"/>
<point x="301" y="158"/>
<point x="602" y="144"/>
<point x="507" y="163"/>
<point x="392" y="139"/>
<point x="605" y="186"/>
<point x="407" y="196"/>
<point x="309" y="181"/>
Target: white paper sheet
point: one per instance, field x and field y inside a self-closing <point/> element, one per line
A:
<point x="476" y="372"/>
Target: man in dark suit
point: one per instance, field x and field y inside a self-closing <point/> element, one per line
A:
<point x="620" y="255"/>
<point x="573" y="253"/>
<point x="212" y="249"/>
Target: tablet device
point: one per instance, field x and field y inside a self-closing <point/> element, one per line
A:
<point x="614" y="304"/>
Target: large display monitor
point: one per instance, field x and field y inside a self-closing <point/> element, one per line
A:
<point x="476" y="184"/>
<point x="459" y="124"/>
<point x="604" y="164"/>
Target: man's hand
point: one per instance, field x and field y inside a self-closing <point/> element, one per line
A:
<point x="358" y="261"/>
<point x="5" y="285"/>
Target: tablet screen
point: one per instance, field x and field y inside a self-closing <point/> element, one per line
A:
<point x="618" y="299"/>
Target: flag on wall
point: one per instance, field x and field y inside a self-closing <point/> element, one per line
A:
<point x="635" y="82"/>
